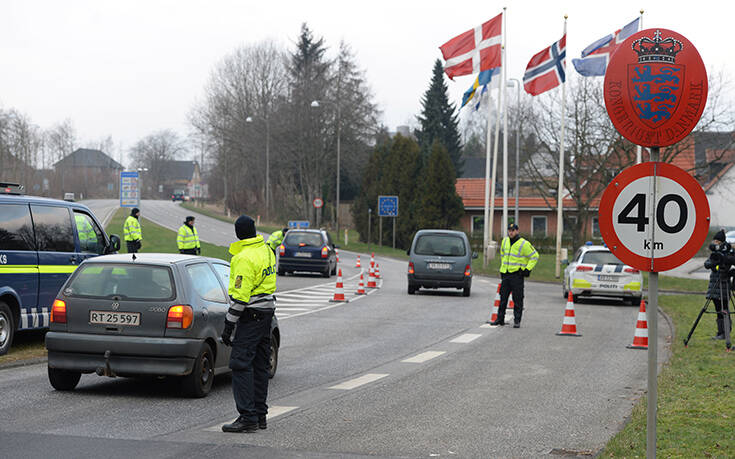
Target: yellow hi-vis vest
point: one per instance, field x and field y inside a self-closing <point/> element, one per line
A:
<point x="252" y="269"/>
<point x="520" y="255"/>
<point x="275" y="239"/>
<point x="131" y="229"/>
<point x="187" y="238"/>
<point x="84" y="229"/>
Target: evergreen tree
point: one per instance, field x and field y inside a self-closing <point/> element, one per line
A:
<point x="438" y="119"/>
<point x="439" y="206"/>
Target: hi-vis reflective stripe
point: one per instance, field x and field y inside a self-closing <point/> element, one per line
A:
<point x="43" y="269"/>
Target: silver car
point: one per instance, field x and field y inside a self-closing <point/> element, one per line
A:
<point x="595" y="271"/>
<point x="144" y="314"/>
<point x="440" y="259"/>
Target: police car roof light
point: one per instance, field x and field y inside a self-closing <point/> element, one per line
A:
<point x="588" y="243"/>
<point x="11" y="188"/>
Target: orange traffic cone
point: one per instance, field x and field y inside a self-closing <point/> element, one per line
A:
<point x="357" y="265"/>
<point x="377" y="270"/>
<point x="569" y="325"/>
<point x="372" y="260"/>
<point x="640" y="339"/>
<point x="339" y="291"/>
<point x="371" y="278"/>
<point x="496" y="305"/>
<point x="361" y="287"/>
<point x="336" y="251"/>
<point x="511" y="304"/>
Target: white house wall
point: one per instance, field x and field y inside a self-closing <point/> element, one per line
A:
<point x="722" y="201"/>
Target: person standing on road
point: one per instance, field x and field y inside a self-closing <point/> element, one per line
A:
<point x="718" y="289"/>
<point x="252" y="305"/>
<point x="276" y="238"/>
<point x="133" y="233"/>
<point x="188" y="239"/>
<point x="517" y="259"/>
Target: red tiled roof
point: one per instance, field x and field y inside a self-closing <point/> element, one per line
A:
<point x="472" y="192"/>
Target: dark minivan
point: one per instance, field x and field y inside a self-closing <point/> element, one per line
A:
<point x="440" y="259"/>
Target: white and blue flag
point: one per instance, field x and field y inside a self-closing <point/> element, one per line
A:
<point x="596" y="56"/>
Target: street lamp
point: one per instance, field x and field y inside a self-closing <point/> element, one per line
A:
<point x="249" y="119"/>
<point x="518" y="138"/>
<point x="315" y="104"/>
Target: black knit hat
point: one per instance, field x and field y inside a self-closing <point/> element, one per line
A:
<point x="720" y="236"/>
<point x="245" y="227"/>
<point x="189" y="218"/>
<point x="134" y="211"/>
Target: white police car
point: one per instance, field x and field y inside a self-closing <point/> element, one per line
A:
<point x="595" y="271"/>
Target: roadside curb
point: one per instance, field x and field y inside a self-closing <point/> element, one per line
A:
<point x="23" y="363"/>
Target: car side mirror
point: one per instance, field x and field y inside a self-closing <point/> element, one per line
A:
<point x="564" y="262"/>
<point x="474" y="255"/>
<point x="114" y="244"/>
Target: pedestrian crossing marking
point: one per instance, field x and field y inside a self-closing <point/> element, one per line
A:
<point x="360" y="381"/>
<point x="466" y="338"/>
<point x="423" y="357"/>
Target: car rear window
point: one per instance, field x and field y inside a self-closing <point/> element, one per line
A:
<point x="294" y="238"/>
<point x="441" y="245"/>
<point x="600" y="258"/>
<point x="123" y="281"/>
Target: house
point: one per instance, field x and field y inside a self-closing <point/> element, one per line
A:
<point x="184" y="176"/>
<point x="88" y="173"/>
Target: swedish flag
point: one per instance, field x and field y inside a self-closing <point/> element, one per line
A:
<point x="484" y="78"/>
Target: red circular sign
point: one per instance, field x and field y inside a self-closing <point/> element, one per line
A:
<point x="655" y="88"/>
<point x="681" y="216"/>
<point x="318" y="203"/>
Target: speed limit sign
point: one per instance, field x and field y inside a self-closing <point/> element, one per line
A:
<point x="318" y="203"/>
<point x="680" y="216"/>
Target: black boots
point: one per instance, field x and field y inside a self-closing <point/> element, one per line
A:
<point x="262" y="422"/>
<point x="242" y="425"/>
<point x="720" y="327"/>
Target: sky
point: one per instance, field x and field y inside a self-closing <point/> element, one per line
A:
<point x="129" y="68"/>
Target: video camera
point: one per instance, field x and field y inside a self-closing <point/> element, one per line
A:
<point x="722" y="257"/>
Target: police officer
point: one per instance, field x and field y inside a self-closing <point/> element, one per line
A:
<point x="718" y="289"/>
<point x="252" y="305"/>
<point x="517" y="259"/>
<point x="132" y="231"/>
<point x="188" y="238"/>
<point x="276" y="238"/>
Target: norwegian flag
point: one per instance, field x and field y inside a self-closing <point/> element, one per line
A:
<point x="476" y="50"/>
<point x="545" y="70"/>
<point x="596" y="56"/>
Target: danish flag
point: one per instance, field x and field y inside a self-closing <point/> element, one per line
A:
<point x="476" y="50"/>
<point x="545" y="70"/>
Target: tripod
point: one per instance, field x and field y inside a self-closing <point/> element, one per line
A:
<point x="726" y="297"/>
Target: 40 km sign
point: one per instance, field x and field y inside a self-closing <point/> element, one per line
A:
<point x="680" y="216"/>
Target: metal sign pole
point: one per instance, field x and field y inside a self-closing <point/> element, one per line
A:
<point x="380" y="231"/>
<point x="651" y="319"/>
<point x="394" y="232"/>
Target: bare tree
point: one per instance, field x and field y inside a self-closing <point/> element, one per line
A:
<point x="153" y="151"/>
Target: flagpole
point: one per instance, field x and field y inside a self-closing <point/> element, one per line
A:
<point x="485" y="238"/>
<point x="489" y="219"/>
<point x="638" y="147"/>
<point x="504" y="222"/>
<point x="559" y="193"/>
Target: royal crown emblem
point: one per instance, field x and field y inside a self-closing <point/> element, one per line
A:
<point x="657" y="50"/>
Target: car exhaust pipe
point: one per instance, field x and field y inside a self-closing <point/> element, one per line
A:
<point x="106" y="370"/>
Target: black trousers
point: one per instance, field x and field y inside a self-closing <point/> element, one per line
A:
<point x="133" y="246"/>
<point x="188" y="251"/>
<point x="250" y="362"/>
<point x="511" y="282"/>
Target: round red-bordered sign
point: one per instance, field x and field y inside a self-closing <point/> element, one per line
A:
<point x="655" y="87"/>
<point x="681" y="216"/>
<point x="318" y="203"/>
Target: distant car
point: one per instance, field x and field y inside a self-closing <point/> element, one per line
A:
<point x="595" y="271"/>
<point x="178" y="196"/>
<point x="730" y="237"/>
<point x="69" y="197"/>
<point x="309" y="250"/>
<point x="155" y="314"/>
<point x="440" y="259"/>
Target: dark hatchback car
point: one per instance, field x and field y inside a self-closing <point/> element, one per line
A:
<point x="307" y="250"/>
<point x="155" y="314"/>
<point x="440" y="259"/>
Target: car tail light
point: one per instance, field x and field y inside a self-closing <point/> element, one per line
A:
<point x="584" y="268"/>
<point x="282" y="250"/>
<point x="179" y="316"/>
<point x="302" y="244"/>
<point x="325" y="251"/>
<point x="631" y="270"/>
<point x="58" y="312"/>
<point x="410" y="267"/>
<point x="467" y="270"/>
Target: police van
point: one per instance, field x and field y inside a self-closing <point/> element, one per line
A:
<point x="42" y="241"/>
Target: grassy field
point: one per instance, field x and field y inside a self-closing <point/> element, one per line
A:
<point x="696" y="393"/>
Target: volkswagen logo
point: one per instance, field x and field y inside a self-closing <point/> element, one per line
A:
<point x="115" y="306"/>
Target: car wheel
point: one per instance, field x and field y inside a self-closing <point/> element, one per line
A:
<point x="575" y="298"/>
<point x="466" y="291"/>
<point x="7" y="328"/>
<point x="411" y="289"/>
<point x="326" y="272"/>
<point x="281" y="272"/>
<point x="63" y="379"/>
<point x="199" y="382"/>
<point x="273" y="361"/>
<point x="334" y="270"/>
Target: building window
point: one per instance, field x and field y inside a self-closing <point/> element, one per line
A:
<point x="596" y="227"/>
<point x="538" y="225"/>
<point x="570" y="222"/>
<point x="478" y="223"/>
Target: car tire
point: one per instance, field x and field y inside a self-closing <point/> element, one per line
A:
<point x="273" y="362"/>
<point x="7" y="328"/>
<point x="411" y="289"/>
<point x="63" y="379"/>
<point x="466" y="291"/>
<point x="575" y="298"/>
<point x="281" y="272"/>
<point x="326" y="272"/>
<point x="199" y="382"/>
<point x="334" y="270"/>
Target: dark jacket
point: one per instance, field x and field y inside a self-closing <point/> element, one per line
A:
<point x="713" y="289"/>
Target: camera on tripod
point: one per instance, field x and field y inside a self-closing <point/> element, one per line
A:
<point x="721" y="259"/>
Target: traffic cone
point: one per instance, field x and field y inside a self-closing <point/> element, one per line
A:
<point x="337" y="252"/>
<point x="640" y="339"/>
<point x="339" y="291"/>
<point x="496" y="305"/>
<point x="371" y="278"/>
<point x="511" y="304"/>
<point x="569" y="325"/>
<point x="377" y="270"/>
<point x="357" y="265"/>
<point x="361" y="287"/>
<point x="372" y="260"/>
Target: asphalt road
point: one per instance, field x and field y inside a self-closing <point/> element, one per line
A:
<point x="387" y="374"/>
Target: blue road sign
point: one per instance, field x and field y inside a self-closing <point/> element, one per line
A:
<point x="298" y="223"/>
<point x="129" y="191"/>
<point x="387" y="206"/>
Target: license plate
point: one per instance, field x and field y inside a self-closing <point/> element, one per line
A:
<point x="114" y="318"/>
<point x="602" y="278"/>
<point x="439" y="265"/>
<point x="302" y="254"/>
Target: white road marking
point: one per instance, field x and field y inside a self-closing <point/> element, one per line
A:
<point x="423" y="357"/>
<point x="466" y="338"/>
<point x="284" y="308"/>
<point x="273" y="411"/>
<point x="362" y="380"/>
<point x="488" y="326"/>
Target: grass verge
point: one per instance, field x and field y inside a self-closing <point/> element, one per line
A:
<point x="696" y="393"/>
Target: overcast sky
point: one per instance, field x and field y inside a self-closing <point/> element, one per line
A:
<point x="129" y="68"/>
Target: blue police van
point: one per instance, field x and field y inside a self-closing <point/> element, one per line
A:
<point x="42" y="241"/>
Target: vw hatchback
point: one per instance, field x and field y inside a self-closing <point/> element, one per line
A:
<point x="440" y="259"/>
<point x="307" y="250"/>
